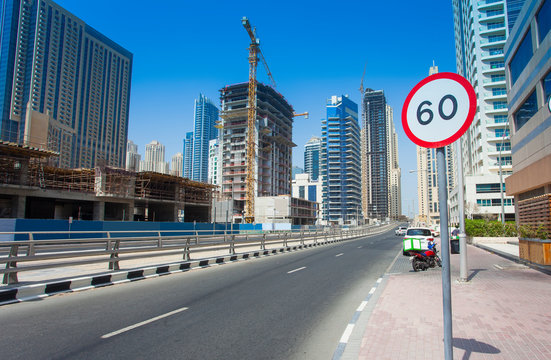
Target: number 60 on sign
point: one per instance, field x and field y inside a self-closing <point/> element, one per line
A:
<point x="439" y="110"/>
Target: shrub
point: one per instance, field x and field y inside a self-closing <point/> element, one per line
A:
<point x="484" y="228"/>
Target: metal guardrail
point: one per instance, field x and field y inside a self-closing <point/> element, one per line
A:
<point x="108" y="247"/>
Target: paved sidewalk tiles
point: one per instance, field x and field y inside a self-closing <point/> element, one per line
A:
<point x="503" y="312"/>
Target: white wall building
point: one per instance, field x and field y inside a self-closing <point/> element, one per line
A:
<point x="154" y="158"/>
<point x="177" y="164"/>
<point x="481" y="30"/>
<point x="132" y="156"/>
<point x="394" y="172"/>
<point x="215" y="172"/>
<point x="304" y="188"/>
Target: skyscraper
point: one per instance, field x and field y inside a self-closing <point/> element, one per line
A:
<point x="312" y="157"/>
<point x="394" y="172"/>
<point x="340" y="162"/>
<point x="214" y="163"/>
<point x="188" y="154"/>
<point x="206" y="115"/>
<point x="132" y="157"/>
<point x="63" y="85"/>
<point x="177" y="164"/>
<point x="154" y="158"/>
<point x="375" y="155"/>
<point x="481" y="30"/>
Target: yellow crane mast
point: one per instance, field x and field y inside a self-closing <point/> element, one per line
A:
<point x="254" y="54"/>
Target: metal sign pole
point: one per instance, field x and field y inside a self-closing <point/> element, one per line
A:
<point x="445" y="253"/>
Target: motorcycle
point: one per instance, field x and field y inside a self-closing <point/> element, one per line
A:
<point x="422" y="260"/>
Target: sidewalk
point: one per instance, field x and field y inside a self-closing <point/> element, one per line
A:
<point x="502" y="312"/>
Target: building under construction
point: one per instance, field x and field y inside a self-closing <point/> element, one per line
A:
<point x="31" y="188"/>
<point x="272" y="146"/>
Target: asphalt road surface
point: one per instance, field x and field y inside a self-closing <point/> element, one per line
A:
<point x="287" y="306"/>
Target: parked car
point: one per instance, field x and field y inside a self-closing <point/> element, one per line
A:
<point x="401" y="231"/>
<point x="435" y="233"/>
<point x="419" y="233"/>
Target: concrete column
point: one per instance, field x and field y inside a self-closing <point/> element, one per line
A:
<point x="99" y="210"/>
<point x="19" y="203"/>
<point x="129" y="212"/>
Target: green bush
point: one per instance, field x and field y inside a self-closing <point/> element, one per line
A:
<point x="533" y="232"/>
<point x="484" y="228"/>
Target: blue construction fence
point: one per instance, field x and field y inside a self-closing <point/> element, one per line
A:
<point x="77" y="229"/>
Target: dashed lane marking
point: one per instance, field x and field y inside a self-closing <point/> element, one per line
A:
<point x="292" y="271"/>
<point x="341" y="254"/>
<point x="131" y="327"/>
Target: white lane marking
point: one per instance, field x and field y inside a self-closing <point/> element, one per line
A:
<point x="362" y="306"/>
<point x="341" y="254"/>
<point x="292" y="271"/>
<point x="359" y="247"/>
<point x="372" y="290"/>
<point x="347" y="333"/>
<point x="379" y="280"/>
<point x="128" y="328"/>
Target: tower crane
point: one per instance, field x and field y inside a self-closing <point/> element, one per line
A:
<point x="254" y="55"/>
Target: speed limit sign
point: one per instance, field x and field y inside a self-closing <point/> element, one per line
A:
<point x="439" y="110"/>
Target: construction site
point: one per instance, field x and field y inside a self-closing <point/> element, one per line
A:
<point x="31" y="188"/>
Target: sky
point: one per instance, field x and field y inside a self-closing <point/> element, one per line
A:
<point x="314" y="49"/>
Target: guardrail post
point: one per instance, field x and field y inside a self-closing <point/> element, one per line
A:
<point x="232" y="248"/>
<point x="113" y="264"/>
<point x="159" y="240"/>
<point x="187" y="253"/>
<point x="301" y="237"/>
<point x="196" y="237"/>
<point x="263" y="242"/>
<point x="30" y="249"/>
<point x="11" y="277"/>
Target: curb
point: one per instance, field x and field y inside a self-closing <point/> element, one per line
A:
<point x="43" y="290"/>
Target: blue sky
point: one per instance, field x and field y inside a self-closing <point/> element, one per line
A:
<point x="315" y="49"/>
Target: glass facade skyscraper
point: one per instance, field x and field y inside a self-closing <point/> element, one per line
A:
<point x="188" y="154"/>
<point x="375" y="129"/>
<point x="206" y="115"/>
<point x="312" y="158"/>
<point x="63" y="85"/>
<point x="340" y="162"/>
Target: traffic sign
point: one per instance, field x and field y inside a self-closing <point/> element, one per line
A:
<point x="438" y="110"/>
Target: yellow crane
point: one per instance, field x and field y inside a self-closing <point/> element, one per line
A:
<point x="254" y="55"/>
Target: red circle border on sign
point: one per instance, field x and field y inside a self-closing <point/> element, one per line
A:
<point x="470" y="115"/>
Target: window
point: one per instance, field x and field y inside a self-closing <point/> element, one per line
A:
<point x="301" y="192"/>
<point x="488" y="188"/>
<point x="543" y="18"/>
<point x="498" y="119"/>
<point x="500" y="105"/>
<point x="495" y="25"/>
<point x="495" y="38"/>
<point x="499" y="91"/>
<point x="484" y="202"/>
<point x="496" y="51"/>
<point x="521" y="57"/>
<point x="526" y="111"/>
<point x="501" y="133"/>
<point x="496" y="64"/>
<point x="506" y="146"/>
<point x="547" y="87"/>
<point x="312" y="193"/>
<point x="496" y="78"/>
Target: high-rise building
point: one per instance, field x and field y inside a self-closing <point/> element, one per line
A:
<point x="340" y="162"/>
<point x="154" y="158"/>
<point x="188" y="154"/>
<point x="273" y="133"/>
<point x="63" y="85"/>
<point x="312" y="157"/>
<point x="427" y="179"/>
<point x="394" y="171"/>
<point x="177" y="168"/>
<point x="132" y="156"/>
<point x="206" y="116"/>
<point x="214" y="164"/>
<point x="528" y="67"/>
<point x="481" y="30"/>
<point x="375" y="182"/>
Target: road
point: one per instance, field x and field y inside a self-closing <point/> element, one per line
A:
<point x="287" y="306"/>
